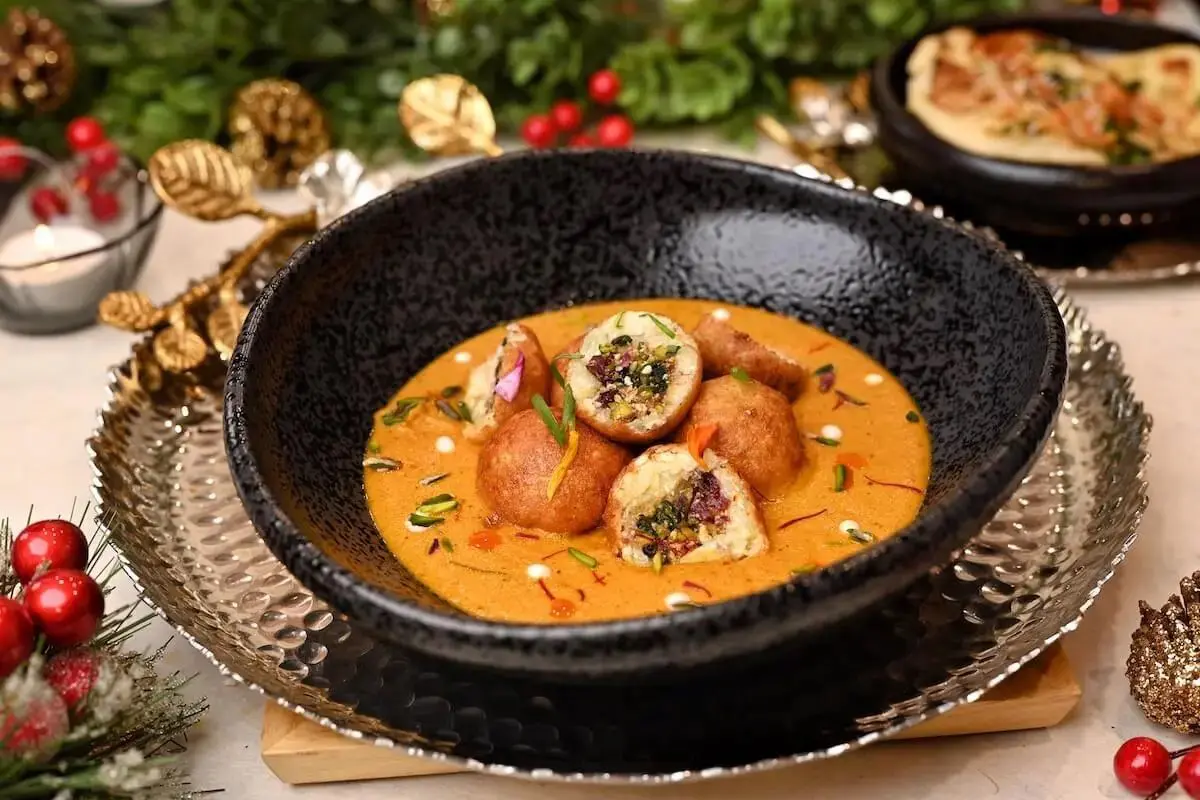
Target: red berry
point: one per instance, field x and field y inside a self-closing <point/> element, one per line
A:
<point x="1142" y="764"/>
<point x="49" y="544"/>
<point x="33" y="719"/>
<point x="582" y="140"/>
<point x="614" y="131"/>
<point x="102" y="159"/>
<point x="84" y="133"/>
<point x="12" y="161"/>
<point x="47" y="203"/>
<point x="1189" y="774"/>
<point x="66" y="605"/>
<point x="73" y="674"/>
<point x="566" y="115"/>
<point x="538" y="131"/>
<point x="16" y="636"/>
<point x="104" y="205"/>
<point x="604" y="87"/>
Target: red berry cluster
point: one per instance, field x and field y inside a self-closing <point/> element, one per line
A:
<point x="59" y="600"/>
<point x="1143" y="766"/>
<point x="96" y="159"/>
<point x="566" y="119"/>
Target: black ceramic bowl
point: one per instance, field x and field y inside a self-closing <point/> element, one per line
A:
<point x="972" y="333"/>
<point x="1022" y="196"/>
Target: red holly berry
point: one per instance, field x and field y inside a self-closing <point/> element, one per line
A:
<point x="33" y="718"/>
<point x="103" y="205"/>
<point x="12" y="161"/>
<point x="48" y="544"/>
<point x="1142" y="764"/>
<point x="582" y="140"/>
<point x="73" y="674"/>
<point x="538" y="131"/>
<point x="102" y="159"/>
<point x="47" y="203"/>
<point x="84" y="133"/>
<point x="66" y="605"/>
<point x="566" y="115"/>
<point x="1189" y="774"/>
<point x="604" y="87"/>
<point x="16" y="636"/>
<point x="614" y="131"/>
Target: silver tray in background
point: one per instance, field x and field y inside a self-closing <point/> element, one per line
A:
<point x="162" y="483"/>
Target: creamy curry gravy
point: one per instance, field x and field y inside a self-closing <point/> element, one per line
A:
<point x="528" y="575"/>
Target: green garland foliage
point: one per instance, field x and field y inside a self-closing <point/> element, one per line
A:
<point x="169" y="71"/>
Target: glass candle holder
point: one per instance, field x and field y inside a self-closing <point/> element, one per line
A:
<point x="62" y="249"/>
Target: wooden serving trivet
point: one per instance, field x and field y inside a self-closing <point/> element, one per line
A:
<point x="301" y="752"/>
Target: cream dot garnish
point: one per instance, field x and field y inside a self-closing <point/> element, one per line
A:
<point x="416" y="528"/>
<point x="720" y="314"/>
<point x="849" y="525"/>
<point x="537" y="572"/>
<point x="462" y="357"/>
<point x="444" y="444"/>
<point x="873" y="379"/>
<point x="831" y="432"/>
<point x="676" y="599"/>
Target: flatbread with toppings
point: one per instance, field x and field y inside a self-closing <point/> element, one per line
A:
<point x="1026" y="96"/>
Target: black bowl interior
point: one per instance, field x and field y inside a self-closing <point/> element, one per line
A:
<point x="1038" y="198"/>
<point x="972" y="334"/>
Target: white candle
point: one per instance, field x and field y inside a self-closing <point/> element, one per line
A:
<point x="64" y="285"/>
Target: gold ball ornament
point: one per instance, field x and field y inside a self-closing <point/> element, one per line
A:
<point x="37" y="63"/>
<point x="277" y="129"/>
<point x="1164" y="660"/>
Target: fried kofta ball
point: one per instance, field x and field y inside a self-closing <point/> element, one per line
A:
<point x="723" y="347"/>
<point x="755" y="430"/>
<point x="506" y="383"/>
<point x="668" y="508"/>
<point x="636" y="378"/>
<point x="516" y="465"/>
<point x="557" y="392"/>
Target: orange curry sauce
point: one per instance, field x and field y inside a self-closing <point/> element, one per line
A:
<point x="865" y="422"/>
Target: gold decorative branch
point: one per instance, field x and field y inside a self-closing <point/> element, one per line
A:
<point x="443" y="114"/>
<point x="205" y="182"/>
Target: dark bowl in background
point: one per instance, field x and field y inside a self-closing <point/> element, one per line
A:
<point x="972" y="333"/>
<point x="1040" y="199"/>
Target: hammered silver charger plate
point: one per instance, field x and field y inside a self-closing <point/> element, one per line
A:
<point x="163" y="487"/>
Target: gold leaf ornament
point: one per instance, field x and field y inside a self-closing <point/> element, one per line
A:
<point x="129" y="311"/>
<point x="203" y="180"/>
<point x="179" y="347"/>
<point x="447" y="116"/>
<point x="225" y="322"/>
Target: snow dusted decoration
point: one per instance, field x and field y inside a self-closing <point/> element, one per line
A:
<point x="81" y="716"/>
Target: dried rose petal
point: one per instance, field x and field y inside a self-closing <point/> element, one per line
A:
<point x="508" y="386"/>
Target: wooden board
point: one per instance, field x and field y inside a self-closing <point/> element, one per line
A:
<point x="302" y="752"/>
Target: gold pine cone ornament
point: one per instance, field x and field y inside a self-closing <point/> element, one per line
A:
<point x="37" y="63"/>
<point x="277" y="129"/>
<point x="1164" y="660"/>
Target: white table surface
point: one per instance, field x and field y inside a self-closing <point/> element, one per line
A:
<point x="50" y="388"/>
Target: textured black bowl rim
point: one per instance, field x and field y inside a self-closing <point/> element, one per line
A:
<point x="1151" y="185"/>
<point x="980" y="492"/>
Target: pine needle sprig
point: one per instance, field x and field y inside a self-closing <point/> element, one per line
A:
<point x="136" y="718"/>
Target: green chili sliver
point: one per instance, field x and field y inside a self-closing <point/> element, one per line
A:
<point x="662" y="326"/>
<point x="552" y="424"/>
<point x="583" y="558"/>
